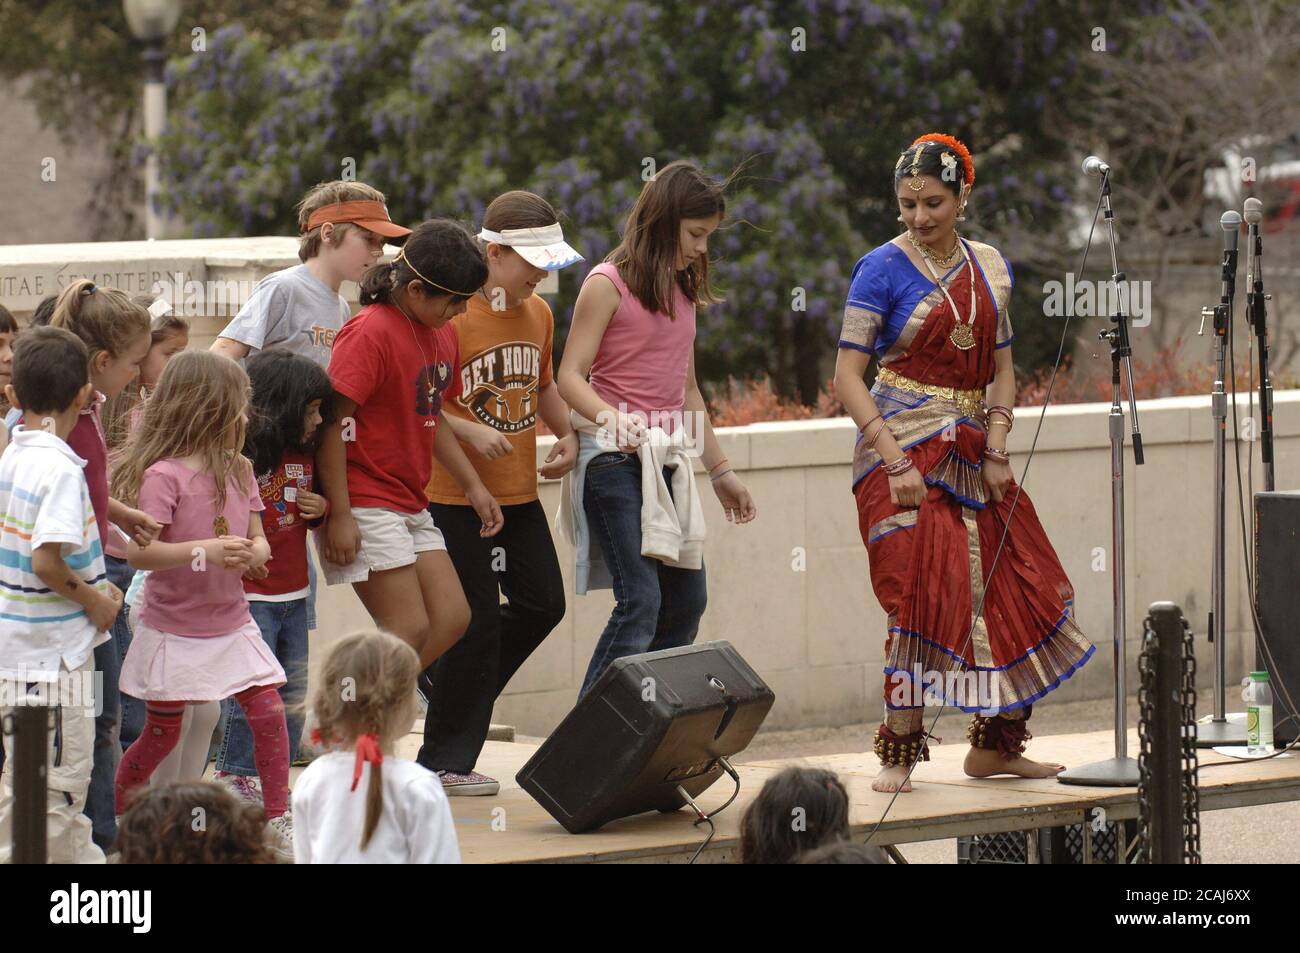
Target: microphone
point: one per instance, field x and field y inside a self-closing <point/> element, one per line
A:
<point x="1254" y="211"/>
<point x="1094" y="166"/>
<point x="1230" y="222"/>
<point x="1254" y="214"/>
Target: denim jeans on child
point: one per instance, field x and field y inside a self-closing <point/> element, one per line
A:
<point x="656" y="606"/>
<point x="108" y="746"/>
<point x="284" y="629"/>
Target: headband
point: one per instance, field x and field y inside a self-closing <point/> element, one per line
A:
<point x="401" y="256"/>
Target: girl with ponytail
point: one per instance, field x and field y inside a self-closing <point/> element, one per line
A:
<point x="357" y="803"/>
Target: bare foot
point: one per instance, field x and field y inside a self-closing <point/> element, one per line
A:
<point x="893" y="778"/>
<point x="982" y="763"/>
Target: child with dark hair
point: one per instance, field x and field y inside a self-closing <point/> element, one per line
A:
<point x="40" y="318"/>
<point x="55" y="597"/>
<point x="797" y="810"/>
<point x="44" y="311"/>
<point x="161" y="827"/>
<point x="8" y="328"/>
<point x="393" y="367"/>
<point x="291" y="399"/>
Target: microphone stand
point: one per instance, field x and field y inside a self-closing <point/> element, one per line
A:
<point x="1219" y="731"/>
<point x="1255" y="314"/>
<point x="1121" y="770"/>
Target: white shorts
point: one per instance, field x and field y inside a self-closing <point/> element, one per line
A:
<point x="389" y="540"/>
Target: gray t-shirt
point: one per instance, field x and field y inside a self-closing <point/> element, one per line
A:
<point x="292" y="309"/>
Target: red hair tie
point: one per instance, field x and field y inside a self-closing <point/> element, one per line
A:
<point x="957" y="146"/>
<point x="367" y="750"/>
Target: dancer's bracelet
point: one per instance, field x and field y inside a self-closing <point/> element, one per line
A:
<point x="870" y="422"/>
<point x="721" y="462"/>
<point x="899" y="466"/>
<point x="1003" y="411"/>
<point x="871" y="441"/>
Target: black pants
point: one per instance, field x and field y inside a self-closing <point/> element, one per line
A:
<point x="462" y="685"/>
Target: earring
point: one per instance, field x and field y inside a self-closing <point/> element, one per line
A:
<point x="961" y="213"/>
<point x="900" y="220"/>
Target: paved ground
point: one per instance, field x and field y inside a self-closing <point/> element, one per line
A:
<point x="1248" y="835"/>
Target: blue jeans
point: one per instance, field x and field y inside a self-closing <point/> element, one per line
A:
<point x="108" y="746"/>
<point x="284" y="629"/>
<point x="311" y="595"/>
<point x="132" y="721"/>
<point x="656" y="606"/>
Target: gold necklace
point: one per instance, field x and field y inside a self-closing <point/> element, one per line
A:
<point x="962" y="334"/>
<point x="943" y="261"/>
<point x="432" y="377"/>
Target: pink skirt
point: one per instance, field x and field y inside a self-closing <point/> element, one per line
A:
<point x="162" y="666"/>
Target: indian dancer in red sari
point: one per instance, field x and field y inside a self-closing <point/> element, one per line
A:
<point x="934" y="485"/>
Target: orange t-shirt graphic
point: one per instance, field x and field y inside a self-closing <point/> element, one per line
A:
<point x="505" y="362"/>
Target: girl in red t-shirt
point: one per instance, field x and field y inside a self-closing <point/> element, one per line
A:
<point x="392" y="367"/>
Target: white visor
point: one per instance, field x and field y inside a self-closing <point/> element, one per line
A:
<point x="543" y="247"/>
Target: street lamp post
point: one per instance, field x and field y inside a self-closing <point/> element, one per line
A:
<point x="150" y="22"/>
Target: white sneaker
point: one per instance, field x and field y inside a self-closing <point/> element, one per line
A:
<point x="279" y="837"/>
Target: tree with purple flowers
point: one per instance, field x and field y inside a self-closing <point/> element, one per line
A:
<point x="443" y="105"/>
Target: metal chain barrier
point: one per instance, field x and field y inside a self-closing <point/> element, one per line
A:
<point x="1169" y="819"/>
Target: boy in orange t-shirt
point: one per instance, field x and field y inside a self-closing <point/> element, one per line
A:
<point x="506" y="381"/>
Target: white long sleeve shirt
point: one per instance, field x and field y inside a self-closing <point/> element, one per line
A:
<point x="415" y="825"/>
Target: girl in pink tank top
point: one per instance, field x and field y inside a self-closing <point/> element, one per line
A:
<point x="629" y="365"/>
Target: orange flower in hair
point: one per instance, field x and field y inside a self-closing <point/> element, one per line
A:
<point x="957" y="146"/>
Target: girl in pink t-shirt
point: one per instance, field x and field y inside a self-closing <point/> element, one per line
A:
<point x="629" y="367"/>
<point x="195" y="640"/>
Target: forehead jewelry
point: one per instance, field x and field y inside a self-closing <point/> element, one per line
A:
<point x="916" y="183"/>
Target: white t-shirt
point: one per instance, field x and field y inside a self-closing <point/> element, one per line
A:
<point x="44" y="499"/>
<point x="415" y="825"/>
<point x="292" y="309"/>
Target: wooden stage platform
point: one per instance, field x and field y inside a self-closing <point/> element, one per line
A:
<point x="513" y="828"/>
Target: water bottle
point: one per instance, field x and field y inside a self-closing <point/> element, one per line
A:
<point x="1258" y="697"/>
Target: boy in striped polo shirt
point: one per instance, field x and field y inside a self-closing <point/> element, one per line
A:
<point x="55" y="601"/>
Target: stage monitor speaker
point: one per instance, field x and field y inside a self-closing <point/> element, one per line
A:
<point x="650" y="723"/>
<point x="1277" y="601"/>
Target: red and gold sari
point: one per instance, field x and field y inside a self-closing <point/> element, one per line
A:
<point x="933" y="566"/>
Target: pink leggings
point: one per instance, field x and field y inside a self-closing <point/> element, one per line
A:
<point x="162" y="730"/>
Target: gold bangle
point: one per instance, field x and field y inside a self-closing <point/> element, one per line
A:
<point x="871" y="442"/>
